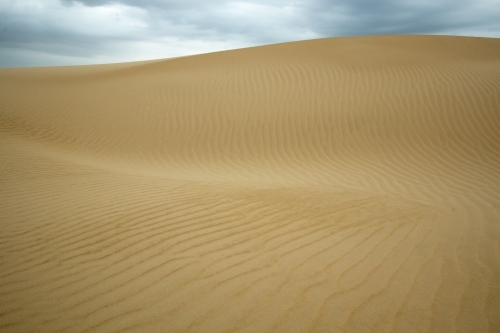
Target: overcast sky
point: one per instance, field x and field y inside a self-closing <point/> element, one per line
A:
<point x="67" y="32"/>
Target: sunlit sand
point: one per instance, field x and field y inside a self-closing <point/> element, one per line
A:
<point x="333" y="185"/>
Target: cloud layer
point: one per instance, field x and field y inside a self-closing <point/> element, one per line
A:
<point x="64" y="32"/>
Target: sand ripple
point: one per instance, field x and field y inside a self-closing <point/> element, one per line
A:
<point x="335" y="185"/>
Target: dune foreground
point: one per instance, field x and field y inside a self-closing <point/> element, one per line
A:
<point x="335" y="185"/>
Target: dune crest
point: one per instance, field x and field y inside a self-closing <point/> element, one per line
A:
<point x="333" y="185"/>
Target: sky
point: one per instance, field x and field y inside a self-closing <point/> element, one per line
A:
<point x="69" y="32"/>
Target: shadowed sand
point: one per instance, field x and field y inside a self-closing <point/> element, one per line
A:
<point x="335" y="185"/>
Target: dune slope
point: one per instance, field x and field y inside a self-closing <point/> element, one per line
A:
<point x="334" y="185"/>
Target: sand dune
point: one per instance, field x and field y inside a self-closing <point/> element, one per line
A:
<point x="335" y="185"/>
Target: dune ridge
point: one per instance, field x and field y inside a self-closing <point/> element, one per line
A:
<point x="332" y="185"/>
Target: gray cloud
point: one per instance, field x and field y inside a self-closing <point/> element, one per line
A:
<point x="62" y="32"/>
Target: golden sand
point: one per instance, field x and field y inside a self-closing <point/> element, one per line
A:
<point x="334" y="185"/>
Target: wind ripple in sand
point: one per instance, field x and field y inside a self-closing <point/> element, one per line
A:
<point x="337" y="185"/>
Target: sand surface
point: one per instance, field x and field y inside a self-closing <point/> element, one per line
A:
<point x="335" y="185"/>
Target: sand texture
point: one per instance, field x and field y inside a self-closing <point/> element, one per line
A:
<point x="334" y="185"/>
